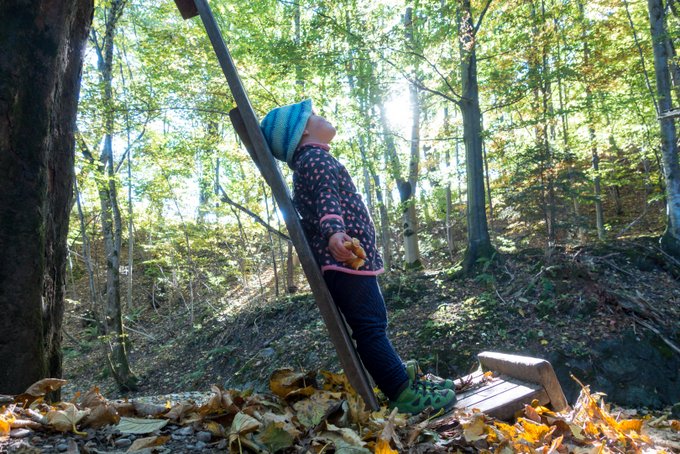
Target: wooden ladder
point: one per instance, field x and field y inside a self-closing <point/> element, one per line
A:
<point x="248" y="128"/>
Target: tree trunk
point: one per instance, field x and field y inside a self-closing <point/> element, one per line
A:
<point x="670" y="240"/>
<point x="41" y="43"/>
<point x="407" y="190"/>
<point x="597" y="189"/>
<point x="479" y="243"/>
<point x="110" y="216"/>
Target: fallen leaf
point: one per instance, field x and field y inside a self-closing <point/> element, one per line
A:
<point x="5" y="425"/>
<point x="475" y="428"/>
<point x="45" y="386"/>
<point x="148" y="442"/>
<point x="66" y="418"/>
<point x="242" y="425"/>
<point x="383" y="447"/>
<point x="276" y="437"/>
<point x="285" y="381"/>
<point x="675" y="425"/>
<point x="180" y="411"/>
<point x="140" y="426"/>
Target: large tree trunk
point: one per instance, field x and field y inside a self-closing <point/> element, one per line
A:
<point x="479" y="242"/>
<point x="41" y="43"/>
<point x="671" y="237"/>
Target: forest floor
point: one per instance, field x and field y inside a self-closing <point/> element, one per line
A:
<point x="527" y="303"/>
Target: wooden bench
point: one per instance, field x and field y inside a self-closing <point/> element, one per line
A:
<point x="517" y="380"/>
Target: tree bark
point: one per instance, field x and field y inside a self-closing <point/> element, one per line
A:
<point x="670" y="240"/>
<point x="479" y="242"/>
<point x="41" y="43"/>
<point x="110" y="216"/>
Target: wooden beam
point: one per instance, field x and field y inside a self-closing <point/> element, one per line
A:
<point x="533" y="370"/>
<point x="248" y="127"/>
<point x="187" y="8"/>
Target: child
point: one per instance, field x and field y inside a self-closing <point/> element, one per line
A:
<point x="333" y="213"/>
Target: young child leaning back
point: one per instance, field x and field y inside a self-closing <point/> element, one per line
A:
<point x="332" y="214"/>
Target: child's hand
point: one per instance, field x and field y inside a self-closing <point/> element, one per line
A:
<point x="336" y="245"/>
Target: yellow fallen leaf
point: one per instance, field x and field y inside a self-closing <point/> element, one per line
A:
<point x="475" y="429"/>
<point x="5" y="426"/>
<point x="628" y="425"/>
<point x="383" y="447"/>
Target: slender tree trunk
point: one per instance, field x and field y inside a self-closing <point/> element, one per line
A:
<point x="408" y="192"/>
<point x="671" y="237"/>
<point x="479" y="242"/>
<point x="110" y="217"/>
<point x="595" y="157"/>
<point x="87" y="256"/>
<point x="41" y="43"/>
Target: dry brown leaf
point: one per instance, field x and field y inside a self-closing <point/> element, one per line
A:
<point x="102" y="415"/>
<point x="66" y="418"/>
<point x="148" y="409"/>
<point x="675" y="425"/>
<point x="285" y="381"/>
<point x="148" y="442"/>
<point x="45" y="386"/>
<point x="180" y="411"/>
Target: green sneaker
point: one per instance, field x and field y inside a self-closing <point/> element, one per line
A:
<point x="418" y="396"/>
<point x="414" y="372"/>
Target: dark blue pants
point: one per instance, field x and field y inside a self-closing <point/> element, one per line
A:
<point x="362" y="304"/>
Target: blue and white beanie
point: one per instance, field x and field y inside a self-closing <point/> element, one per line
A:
<point x="283" y="128"/>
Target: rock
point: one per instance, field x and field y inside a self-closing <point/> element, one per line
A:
<point x="188" y="430"/>
<point x="200" y="445"/>
<point x="178" y="437"/>
<point x="20" y="433"/>
<point x="123" y="442"/>
<point x="675" y="411"/>
<point x="204" y="436"/>
<point x="62" y="447"/>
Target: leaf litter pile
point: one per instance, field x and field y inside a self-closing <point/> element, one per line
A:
<point x="308" y="413"/>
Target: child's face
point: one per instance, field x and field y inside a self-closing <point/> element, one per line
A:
<point x="319" y="128"/>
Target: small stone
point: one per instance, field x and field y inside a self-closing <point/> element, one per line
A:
<point x="200" y="445"/>
<point x="675" y="411"/>
<point x="20" y="433"/>
<point x="204" y="436"/>
<point x="123" y="442"/>
<point x="62" y="447"/>
<point x="188" y="430"/>
<point x="177" y="436"/>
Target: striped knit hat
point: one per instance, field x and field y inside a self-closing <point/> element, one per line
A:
<point x="283" y="128"/>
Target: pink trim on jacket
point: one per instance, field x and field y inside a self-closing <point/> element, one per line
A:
<point x="331" y="216"/>
<point x="351" y="271"/>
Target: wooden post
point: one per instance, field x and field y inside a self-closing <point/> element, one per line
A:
<point x="248" y="127"/>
